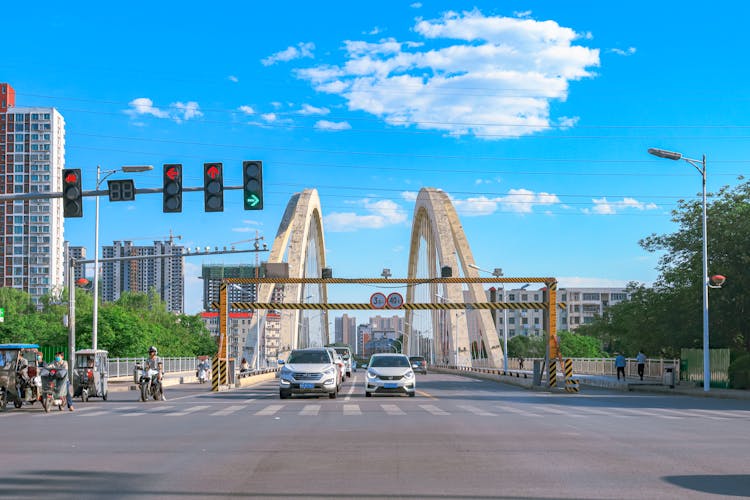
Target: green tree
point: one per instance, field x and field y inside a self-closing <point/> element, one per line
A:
<point x="573" y="345"/>
<point x="521" y="346"/>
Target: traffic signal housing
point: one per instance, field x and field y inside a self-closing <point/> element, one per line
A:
<point x="213" y="187"/>
<point x="72" y="193"/>
<point x="252" y="184"/>
<point x="172" y="188"/>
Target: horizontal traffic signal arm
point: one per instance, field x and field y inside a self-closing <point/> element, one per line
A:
<point x="100" y="192"/>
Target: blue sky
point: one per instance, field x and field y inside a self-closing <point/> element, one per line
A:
<point x="534" y="116"/>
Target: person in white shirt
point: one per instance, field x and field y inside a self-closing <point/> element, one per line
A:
<point x="640" y="359"/>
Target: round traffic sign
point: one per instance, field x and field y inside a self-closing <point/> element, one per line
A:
<point x="377" y="300"/>
<point x="395" y="300"/>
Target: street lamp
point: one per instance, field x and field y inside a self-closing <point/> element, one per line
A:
<point x="700" y="166"/>
<point x="99" y="180"/>
<point x="498" y="272"/>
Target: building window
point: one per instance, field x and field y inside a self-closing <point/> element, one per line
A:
<point x="590" y="296"/>
<point x="619" y="296"/>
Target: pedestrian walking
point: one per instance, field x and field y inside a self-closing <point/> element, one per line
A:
<point x="641" y="360"/>
<point x="620" y="365"/>
<point x="520" y="362"/>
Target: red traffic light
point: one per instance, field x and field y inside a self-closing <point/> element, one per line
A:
<point x="172" y="173"/>
<point x="71" y="178"/>
<point x="212" y="171"/>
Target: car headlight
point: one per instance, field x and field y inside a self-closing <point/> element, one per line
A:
<point x="329" y="371"/>
<point x="409" y="374"/>
<point x="286" y="373"/>
<point x="371" y="374"/>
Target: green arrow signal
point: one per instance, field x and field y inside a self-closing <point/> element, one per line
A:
<point x="253" y="200"/>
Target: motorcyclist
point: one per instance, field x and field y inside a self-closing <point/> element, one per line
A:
<point x="203" y="366"/>
<point x="153" y="362"/>
<point x="22" y="374"/>
<point x="60" y="364"/>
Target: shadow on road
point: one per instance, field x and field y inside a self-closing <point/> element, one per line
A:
<point x="727" y="484"/>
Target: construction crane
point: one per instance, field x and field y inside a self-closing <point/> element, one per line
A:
<point x="171" y="237"/>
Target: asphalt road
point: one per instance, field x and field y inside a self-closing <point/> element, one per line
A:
<point x="459" y="438"/>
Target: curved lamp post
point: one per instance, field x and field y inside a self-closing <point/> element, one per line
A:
<point x="700" y="166"/>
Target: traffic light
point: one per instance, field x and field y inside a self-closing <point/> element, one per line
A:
<point x="72" y="192"/>
<point x="213" y="187"/>
<point x="252" y="186"/>
<point x="172" y="190"/>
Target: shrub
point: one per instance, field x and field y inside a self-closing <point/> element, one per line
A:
<point x="739" y="373"/>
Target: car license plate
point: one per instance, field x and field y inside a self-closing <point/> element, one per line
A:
<point x="306" y="385"/>
<point x="390" y="385"/>
<point x="415" y="365"/>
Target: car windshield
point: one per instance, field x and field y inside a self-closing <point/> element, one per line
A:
<point x="390" y="362"/>
<point x="344" y="353"/>
<point x="416" y="358"/>
<point x="309" y="357"/>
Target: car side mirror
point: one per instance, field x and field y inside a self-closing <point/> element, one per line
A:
<point x="281" y="362"/>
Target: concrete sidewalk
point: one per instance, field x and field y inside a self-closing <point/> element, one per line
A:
<point x="524" y="378"/>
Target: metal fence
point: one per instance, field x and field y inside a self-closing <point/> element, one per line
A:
<point x="653" y="369"/>
<point x="123" y="367"/>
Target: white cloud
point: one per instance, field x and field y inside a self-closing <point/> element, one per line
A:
<point x="248" y="110"/>
<point x="307" y="109"/>
<point x="145" y="106"/>
<point x="193" y="288"/>
<point x="409" y="195"/>
<point x="374" y="31"/>
<point x="627" y="52"/>
<point x="301" y="50"/>
<point x="186" y="111"/>
<point x="470" y="74"/>
<point x="525" y="13"/>
<point x="269" y="117"/>
<point x="178" y="111"/>
<point x="381" y="213"/>
<point x="416" y="5"/>
<point x="604" y="207"/>
<point x="233" y="78"/>
<point x="521" y="201"/>
<point x="332" y="126"/>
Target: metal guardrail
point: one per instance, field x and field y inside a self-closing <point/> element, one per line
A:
<point x="653" y="369"/>
<point x="123" y="367"/>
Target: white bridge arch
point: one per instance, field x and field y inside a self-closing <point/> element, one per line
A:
<point x="437" y="241"/>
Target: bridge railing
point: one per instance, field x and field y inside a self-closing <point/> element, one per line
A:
<point x="123" y="367"/>
<point x="653" y="369"/>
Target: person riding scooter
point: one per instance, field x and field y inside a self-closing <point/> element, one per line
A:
<point x="202" y="370"/>
<point x="154" y="363"/>
<point x="60" y="364"/>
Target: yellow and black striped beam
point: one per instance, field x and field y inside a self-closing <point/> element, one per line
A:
<point x="411" y="307"/>
<point x="410" y="281"/>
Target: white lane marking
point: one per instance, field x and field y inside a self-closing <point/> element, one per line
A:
<point x="352" y="410"/>
<point x="310" y="410"/>
<point x="150" y="411"/>
<point x="249" y="400"/>
<point x="433" y="410"/>
<point x="269" y="410"/>
<point x="557" y="411"/>
<point x="351" y="388"/>
<point x="712" y="414"/>
<point x="392" y="410"/>
<point x="593" y="411"/>
<point x="511" y="409"/>
<point x="96" y="413"/>
<point x="187" y="411"/>
<point x="228" y="410"/>
<point x="477" y="411"/>
<point x="643" y="413"/>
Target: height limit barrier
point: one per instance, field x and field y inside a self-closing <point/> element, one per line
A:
<point x="548" y="304"/>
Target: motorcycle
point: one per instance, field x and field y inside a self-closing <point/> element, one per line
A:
<point x="149" y="385"/>
<point x="202" y="375"/>
<point x="53" y="388"/>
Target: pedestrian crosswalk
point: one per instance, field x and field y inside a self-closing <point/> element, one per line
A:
<point x="394" y="408"/>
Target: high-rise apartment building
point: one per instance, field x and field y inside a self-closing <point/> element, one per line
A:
<point x="345" y="330"/>
<point x="164" y="275"/>
<point x="32" y="156"/>
<point x="79" y="273"/>
<point x="213" y="274"/>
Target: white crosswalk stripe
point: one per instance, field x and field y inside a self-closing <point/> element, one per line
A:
<point x="511" y="409"/>
<point x="557" y="411"/>
<point x="269" y="410"/>
<point x="188" y="411"/>
<point x="434" y="410"/>
<point x="477" y="411"/>
<point x="392" y="410"/>
<point x="228" y="410"/>
<point x="147" y="411"/>
<point x="352" y="410"/>
<point x="311" y="410"/>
